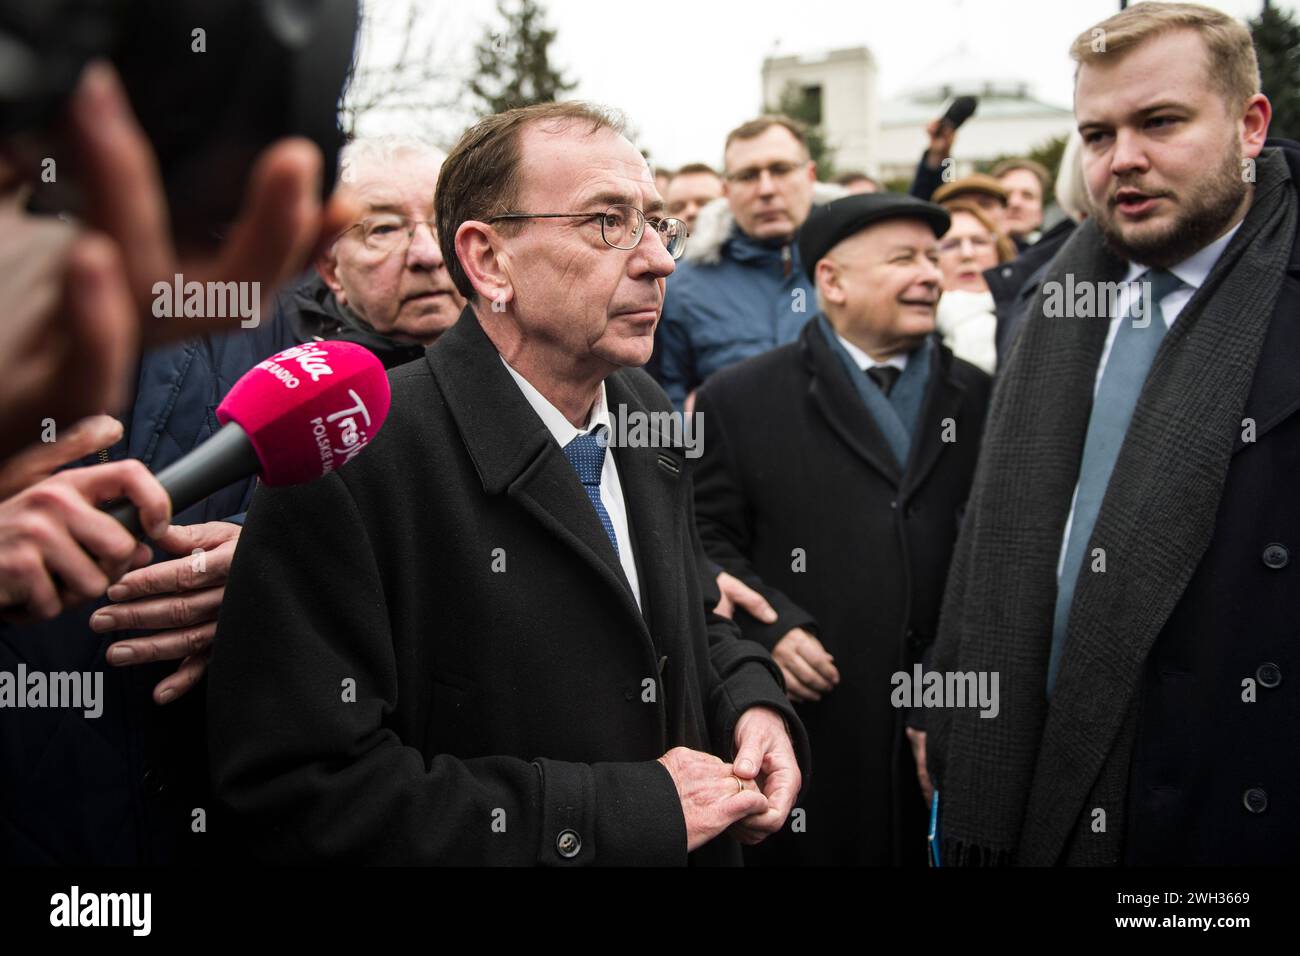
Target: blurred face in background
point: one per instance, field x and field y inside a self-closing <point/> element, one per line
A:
<point x="396" y="282"/>
<point x="992" y="207"/>
<point x="688" y="193"/>
<point x="880" y="288"/>
<point x="1024" y="202"/>
<point x="769" y="183"/>
<point x="965" y="251"/>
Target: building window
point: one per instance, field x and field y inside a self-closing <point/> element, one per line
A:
<point x="812" y="105"/>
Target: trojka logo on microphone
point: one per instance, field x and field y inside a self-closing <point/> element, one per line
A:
<point x="348" y="427"/>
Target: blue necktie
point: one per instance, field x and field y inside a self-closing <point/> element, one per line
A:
<point x="1136" y="341"/>
<point x="586" y="454"/>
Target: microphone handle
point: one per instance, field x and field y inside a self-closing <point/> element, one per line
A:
<point x="223" y="459"/>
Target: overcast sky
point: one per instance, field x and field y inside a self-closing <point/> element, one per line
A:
<point x="687" y="71"/>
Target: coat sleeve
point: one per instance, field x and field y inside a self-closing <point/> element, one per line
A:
<point x="927" y="178"/>
<point x="304" y="758"/>
<point x="722" y="515"/>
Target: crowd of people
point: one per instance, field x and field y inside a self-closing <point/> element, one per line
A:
<point x="982" y="556"/>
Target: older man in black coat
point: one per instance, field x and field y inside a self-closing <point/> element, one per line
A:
<point x="832" y="481"/>
<point x="485" y="640"/>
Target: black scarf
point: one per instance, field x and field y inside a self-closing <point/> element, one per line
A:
<point x="1025" y="786"/>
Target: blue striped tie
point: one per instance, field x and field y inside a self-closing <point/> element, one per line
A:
<point x="1131" y="353"/>
<point x="586" y="454"/>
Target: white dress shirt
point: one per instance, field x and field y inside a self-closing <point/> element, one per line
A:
<point x="611" y="490"/>
<point x="1193" y="271"/>
<point x="865" y="361"/>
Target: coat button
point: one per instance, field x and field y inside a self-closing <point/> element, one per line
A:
<point x="1269" y="675"/>
<point x="568" y="844"/>
<point x="1255" y="799"/>
<point x="1276" y="556"/>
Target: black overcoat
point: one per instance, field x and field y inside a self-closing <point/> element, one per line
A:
<point x="797" y="493"/>
<point x="510" y="699"/>
<point x="1216" y="764"/>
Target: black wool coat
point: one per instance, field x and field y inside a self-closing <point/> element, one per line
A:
<point x="510" y="698"/>
<point x="794" y="466"/>
<point x="1216" y="764"/>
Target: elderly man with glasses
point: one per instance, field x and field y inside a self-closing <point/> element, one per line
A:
<point x="383" y="282"/>
<point x="513" y="662"/>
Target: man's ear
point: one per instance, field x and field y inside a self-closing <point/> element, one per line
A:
<point x="478" y="248"/>
<point x="826" y="276"/>
<point x="1254" y="125"/>
<point x="327" y="264"/>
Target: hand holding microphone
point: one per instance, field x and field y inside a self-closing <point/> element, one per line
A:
<point x="296" y="416"/>
<point x="57" y="549"/>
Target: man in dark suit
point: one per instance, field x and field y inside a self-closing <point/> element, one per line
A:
<point x="486" y="640"/>
<point x="1126" y="562"/>
<point x="832" y="481"/>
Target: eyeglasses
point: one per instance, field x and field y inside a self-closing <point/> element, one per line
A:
<point x="751" y="174"/>
<point x="389" y="232"/>
<point x="954" y="244"/>
<point x="620" y="226"/>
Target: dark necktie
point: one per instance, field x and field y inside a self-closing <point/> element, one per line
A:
<point x="586" y="454"/>
<point x="1135" y="344"/>
<point x="885" y="376"/>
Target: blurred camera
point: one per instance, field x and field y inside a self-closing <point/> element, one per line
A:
<point x="213" y="83"/>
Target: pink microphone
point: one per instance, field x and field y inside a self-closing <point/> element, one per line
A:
<point x="292" y="418"/>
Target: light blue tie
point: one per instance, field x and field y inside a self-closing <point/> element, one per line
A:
<point x="586" y="454"/>
<point x="1136" y="342"/>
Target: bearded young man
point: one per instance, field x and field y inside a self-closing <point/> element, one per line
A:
<point x="1125" y="561"/>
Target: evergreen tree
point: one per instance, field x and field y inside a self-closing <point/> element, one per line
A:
<point x="513" y="62"/>
<point x="1277" y="44"/>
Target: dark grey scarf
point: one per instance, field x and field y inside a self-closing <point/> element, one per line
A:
<point x="897" y="415"/>
<point x="1024" y="787"/>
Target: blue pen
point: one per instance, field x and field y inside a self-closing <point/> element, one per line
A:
<point x="933" y="838"/>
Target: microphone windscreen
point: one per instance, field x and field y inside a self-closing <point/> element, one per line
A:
<point x="309" y="409"/>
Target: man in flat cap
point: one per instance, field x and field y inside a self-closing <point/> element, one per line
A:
<point x="833" y="482"/>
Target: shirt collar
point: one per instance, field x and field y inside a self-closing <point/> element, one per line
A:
<point x="561" y="428"/>
<point x="864" y="361"/>
<point x="1195" y="268"/>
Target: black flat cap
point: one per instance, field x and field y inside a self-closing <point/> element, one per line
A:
<point x="834" y="222"/>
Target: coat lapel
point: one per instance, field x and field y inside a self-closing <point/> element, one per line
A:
<point x="943" y="400"/>
<point x="831" y="391"/>
<point x="515" y="454"/>
<point x="1275" y="391"/>
<point x="651" y="476"/>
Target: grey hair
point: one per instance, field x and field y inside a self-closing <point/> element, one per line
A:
<point x="382" y="150"/>
<point x="1070" y="188"/>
